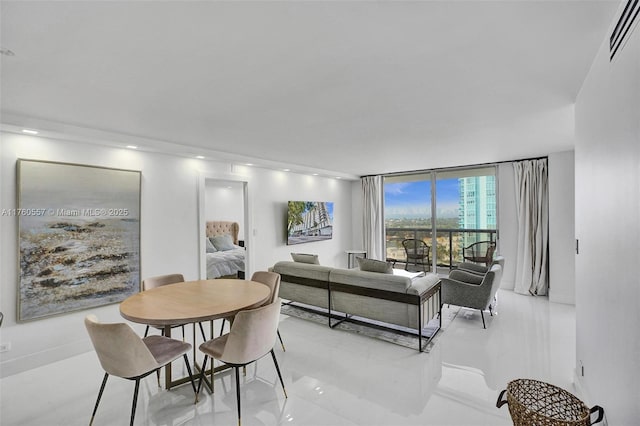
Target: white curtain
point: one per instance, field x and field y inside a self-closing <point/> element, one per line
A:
<point x="532" y="208"/>
<point x="373" y="220"/>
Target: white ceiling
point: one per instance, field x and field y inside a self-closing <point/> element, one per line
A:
<point x="359" y="87"/>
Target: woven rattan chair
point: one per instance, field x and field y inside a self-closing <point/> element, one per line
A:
<point x="480" y="252"/>
<point x="124" y="354"/>
<point x="417" y="252"/>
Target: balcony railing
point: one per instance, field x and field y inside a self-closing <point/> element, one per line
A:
<point x="450" y="242"/>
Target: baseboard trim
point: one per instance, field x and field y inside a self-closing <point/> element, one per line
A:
<point x="42" y="358"/>
<point x="583" y="394"/>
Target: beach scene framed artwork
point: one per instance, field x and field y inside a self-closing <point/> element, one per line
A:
<point x="78" y="236"/>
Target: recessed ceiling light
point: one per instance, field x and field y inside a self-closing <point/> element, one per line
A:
<point x="248" y="164"/>
<point x="132" y="147"/>
<point x="200" y="157"/>
<point x="315" y="174"/>
<point x="30" y="132"/>
<point x="338" y="177"/>
<point x="286" y="170"/>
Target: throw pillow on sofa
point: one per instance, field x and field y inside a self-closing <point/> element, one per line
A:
<point x="372" y="265"/>
<point x="305" y="258"/>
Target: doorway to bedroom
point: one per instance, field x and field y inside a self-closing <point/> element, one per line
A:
<point x="223" y="223"/>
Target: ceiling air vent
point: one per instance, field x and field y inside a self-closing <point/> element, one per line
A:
<point x="627" y="19"/>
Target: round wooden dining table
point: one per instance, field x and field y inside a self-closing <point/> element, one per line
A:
<point x="192" y="302"/>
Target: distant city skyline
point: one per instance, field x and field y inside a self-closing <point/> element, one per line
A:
<point x="413" y="199"/>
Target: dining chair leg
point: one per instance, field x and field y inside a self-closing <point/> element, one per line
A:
<point x="104" y="383"/>
<point x="158" y="376"/>
<point x="202" y="373"/>
<point x="135" y="400"/>
<point x="281" y="343"/>
<point x="237" y="370"/>
<point x="146" y="331"/>
<point x="222" y="326"/>
<point x="193" y="384"/>
<point x="204" y="337"/>
<point x="482" y="315"/>
<point x="275" y="361"/>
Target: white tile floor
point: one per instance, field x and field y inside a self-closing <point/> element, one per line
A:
<point x="333" y="378"/>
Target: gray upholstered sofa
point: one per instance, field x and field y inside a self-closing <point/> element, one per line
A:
<point x="388" y="298"/>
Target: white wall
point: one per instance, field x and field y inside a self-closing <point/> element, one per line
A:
<point x="224" y="200"/>
<point x="269" y="193"/>
<point x="607" y="162"/>
<point x="170" y="235"/>
<point x="561" y="228"/>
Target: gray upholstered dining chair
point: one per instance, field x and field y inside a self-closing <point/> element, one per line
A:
<point x="271" y="280"/>
<point x="159" y="281"/>
<point x="123" y="353"/>
<point x="252" y="336"/>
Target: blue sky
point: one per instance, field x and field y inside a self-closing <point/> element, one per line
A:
<point x="330" y="209"/>
<point x="413" y="199"/>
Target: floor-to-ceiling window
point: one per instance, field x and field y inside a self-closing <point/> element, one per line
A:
<point x="407" y="212"/>
<point x="448" y="209"/>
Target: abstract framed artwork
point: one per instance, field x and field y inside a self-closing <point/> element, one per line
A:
<point x="78" y="237"/>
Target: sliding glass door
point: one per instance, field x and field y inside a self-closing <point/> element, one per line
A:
<point x="448" y="209"/>
<point x="407" y="212"/>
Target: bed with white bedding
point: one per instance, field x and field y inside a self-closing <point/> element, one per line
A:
<point x="225" y="258"/>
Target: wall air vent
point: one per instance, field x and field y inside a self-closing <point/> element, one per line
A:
<point x="627" y="19"/>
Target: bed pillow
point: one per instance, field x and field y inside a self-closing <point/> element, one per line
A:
<point x="210" y="247"/>
<point x="222" y="242"/>
<point x="305" y="258"/>
<point x="372" y="265"/>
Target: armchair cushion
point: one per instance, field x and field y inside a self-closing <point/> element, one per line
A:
<point x="473" y="267"/>
<point x="467" y="277"/>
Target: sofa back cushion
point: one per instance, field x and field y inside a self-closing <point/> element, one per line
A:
<point x="302" y="270"/>
<point x="368" y="279"/>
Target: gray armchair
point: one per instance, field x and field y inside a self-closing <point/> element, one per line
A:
<point x="469" y="290"/>
<point x="476" y="268"/>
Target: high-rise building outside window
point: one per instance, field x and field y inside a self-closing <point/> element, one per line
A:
<point x="460" y="211"/>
